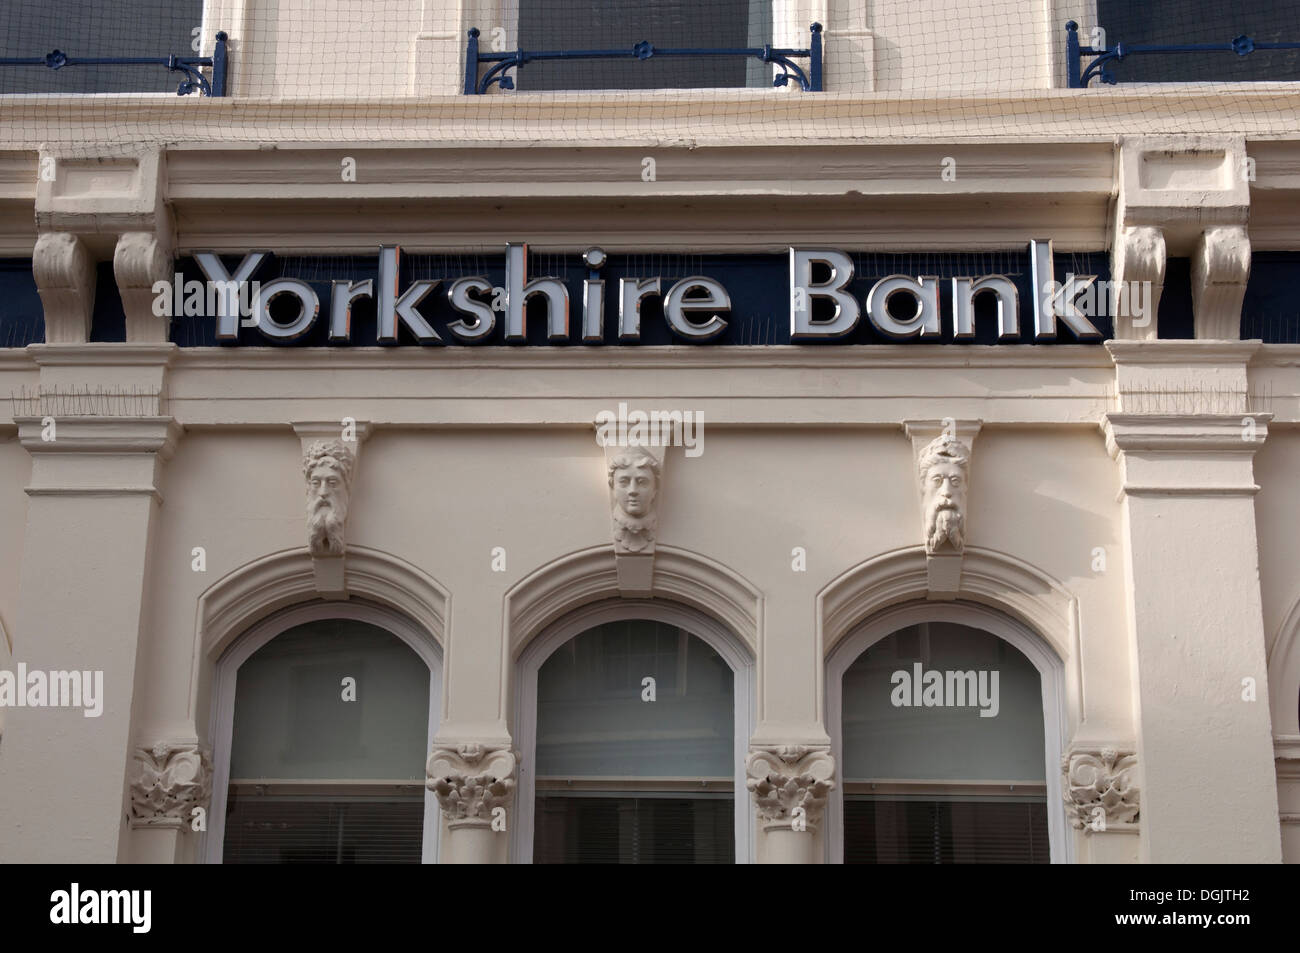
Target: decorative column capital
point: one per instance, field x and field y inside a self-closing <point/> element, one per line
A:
<point x="471" y="780"/>
<point x="170" y="780"/>
<point x="1101" y="787"/>
<point x="786" y="778"/>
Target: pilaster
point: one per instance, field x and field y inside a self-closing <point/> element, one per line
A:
<point x="97" y="453"/>
<point x="1185" y="442"/>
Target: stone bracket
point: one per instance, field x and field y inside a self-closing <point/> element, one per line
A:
<point x="140" y="260"/>
<point x="1182" y="196"/>
<point x="65" y="279"/>
<point x="1220" y="269"/>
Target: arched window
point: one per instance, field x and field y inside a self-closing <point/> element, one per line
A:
<point x="323" y="717"/>
<point x="946" y="727"/>
<point x="633" y="722"/>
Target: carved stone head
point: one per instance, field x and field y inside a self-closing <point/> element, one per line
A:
<point x="634" y="478"/>
<point x="328" y="468"/>
<point x="943" y="467"/>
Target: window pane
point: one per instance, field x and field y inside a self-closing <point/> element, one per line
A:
<point x="106" y="28"/>
<point x="307" y="829"/>
<point x="592" y="722"/>
<point x="331" y="732"/>
<point x="626" y="777"/>
<point x="631" y="830"/>
<point x="883" y="740"/>
<point x="898" y="831"/>
<point x="550" y="25"/>
<point x="291" y="719"/>
<point x="1176" y="22"/>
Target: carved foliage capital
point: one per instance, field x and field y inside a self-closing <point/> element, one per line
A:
<point x="470" y="780"/>
<point x="1101" y="787"/>
<point x="170" y="780"/>
<point x="787" y="777"/>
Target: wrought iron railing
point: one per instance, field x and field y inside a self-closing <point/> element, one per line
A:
<point x="189" y="65"/>
<point x="809" y="80"/>
<point x="1102" y="59"/>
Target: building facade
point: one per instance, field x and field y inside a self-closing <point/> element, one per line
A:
<point x="948" y="552"/>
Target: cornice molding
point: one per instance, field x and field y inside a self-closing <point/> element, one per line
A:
<point x="1190" y="433"/>
<point x="672" y="116"/>
<point x="112" y="354"/>
<point x="1183" y="351"/>
<point x="93" y="434"/>
<point x="578" y="357"/>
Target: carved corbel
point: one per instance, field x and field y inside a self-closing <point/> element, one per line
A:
<point x="330" y="453"/>
<point x="471" y="781"/>
<point x="140" y="260"/>
<point x="790" y="784"/>
<point x="1220" y="268"/>
<point x="1138" y="280"/>
<point x="1173" y="193"/>
<point x="634" y="475"/>
<point x="1101" y="788"/>
<point x="941" y="451"/>
<point x="65" y="278"/>
<point x="169" y="782"/>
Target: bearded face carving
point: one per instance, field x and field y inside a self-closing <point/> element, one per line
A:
<point x="943" y="467"/>
<point x="328" y="470"/>
<point x="634" y="478"/>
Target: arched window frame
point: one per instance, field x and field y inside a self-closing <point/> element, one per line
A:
<point x="223" y="702"/>
<point x="1050" y="669"/>
<point x="717" y="636"/>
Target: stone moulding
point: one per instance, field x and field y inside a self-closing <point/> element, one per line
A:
<point x="170" y="780"/>
<point x="786" y="778"/>
<point x="471" y="780"/>
<point x="1101" y="785"/>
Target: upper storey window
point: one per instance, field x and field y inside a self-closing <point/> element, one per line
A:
<point x="1196" y="22"/>
<point x="109" y="29"/>
<point x="559" y="25"/>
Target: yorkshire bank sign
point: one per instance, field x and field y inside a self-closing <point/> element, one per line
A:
<point x="821" y="298"/>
